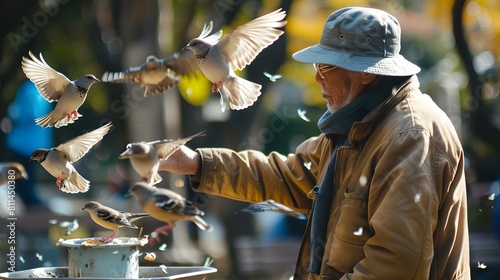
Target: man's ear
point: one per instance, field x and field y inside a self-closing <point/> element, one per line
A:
<point x="367" y="78"/>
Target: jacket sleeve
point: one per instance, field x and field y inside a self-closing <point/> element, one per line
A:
<point x="252" y="176"/>
<point x="405" y="198"/>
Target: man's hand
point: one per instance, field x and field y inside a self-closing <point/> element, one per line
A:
<point x="182" y="161"/>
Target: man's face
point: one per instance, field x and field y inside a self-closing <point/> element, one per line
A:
<point x="339" y="86"/>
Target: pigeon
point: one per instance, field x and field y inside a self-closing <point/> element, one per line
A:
<point x="156" y="75"/>
<point x="10" y="171"/>
<point x="109" y="218"/>
<point x="271" y="205"/>
<point x="219" y="58"/>
<point x="145" y="156"/>
<point x="58" y="161"/>
<point x="167" y="206"/>
<point x="54" y="86"/>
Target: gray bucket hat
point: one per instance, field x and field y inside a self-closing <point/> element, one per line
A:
<point x="362" y="40"/>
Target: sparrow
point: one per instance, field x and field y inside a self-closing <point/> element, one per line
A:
<point x="156" y="75"/>
<point x="58" y="161"/>
<point x="271" y="205"/>
<point x="10" y="171"/>
<point x="167" y="206"/>
<point x="219" y="58"/>
<point x="145" y="156"/>
<point x="109" y="218"/>
<point x="54" y="86"/>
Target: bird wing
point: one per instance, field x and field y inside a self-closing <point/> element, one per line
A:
<point x="167" y="147"/>
<point x="131" y="75"/>
<point x="242" y="44"/>
<point x="113" y="216"/>
<point x="271" y="205"/>
<point x="182" y="62"/>
<point x="50" y="83"/>
<point x="77" y="147"/>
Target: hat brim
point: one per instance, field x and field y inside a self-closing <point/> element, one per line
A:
<point x="384" y="66"/>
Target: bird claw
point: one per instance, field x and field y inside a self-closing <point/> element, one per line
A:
<point x="216" y="87"/>
<point x="155" y="235"/>
<point x="60" y="181"/>
<point x="71" y="116"/>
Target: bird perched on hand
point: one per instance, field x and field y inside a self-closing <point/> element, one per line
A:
<point x="15" y="170"/>
<point x="156" y="75"/>
<point x="167" y="206"/>
<point x="145" y="156"/>
<point x="218" y="59"/>
<point x="271" y="205"/>
<point x="54" y="86"/>
<point x="58" y="161"/>
<point x="109" y="218"/>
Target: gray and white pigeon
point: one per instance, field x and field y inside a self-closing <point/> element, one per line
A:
<point x="54" y="86"/>
<point x="110" y="218"/>
<point x="145" y="156"/>
<point x="10" y="171"/>
<point x="219" y="58"/>
<point x="271" y="205"/>
<point x="156" y="75"/>
<point x="58" y="161"/>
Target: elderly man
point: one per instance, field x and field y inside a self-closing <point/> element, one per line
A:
<point x="383" y="184"/>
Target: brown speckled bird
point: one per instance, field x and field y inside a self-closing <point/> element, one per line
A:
<point x="110" y="218"/>
<point x="14" y="169"/>
<point x="145" y="156"/>
<point x="167" y="206"/>
<point x="156" y="75"/>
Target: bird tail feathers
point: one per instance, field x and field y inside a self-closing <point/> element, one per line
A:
<point x="201" y="223"/>
<point x="76" y="184"/>
<point x="137" y="216"/>
<point x="52" y="119"/>
<point x="241" y="93"/>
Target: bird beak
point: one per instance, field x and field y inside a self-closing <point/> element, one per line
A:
<point x="188" y="46"/>
<point x="83" y="209"/>
<point x="128" y="194"/>
<point x="97" y="80"/>
<point x="125" y="154"/>
<point x="32" y="158"/>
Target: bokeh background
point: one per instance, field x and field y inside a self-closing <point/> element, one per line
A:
<point x="456" y="43"/>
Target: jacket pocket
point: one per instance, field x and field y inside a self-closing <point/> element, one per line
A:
<point x="350" y="232"/>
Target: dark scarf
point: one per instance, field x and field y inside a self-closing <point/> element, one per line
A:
<point x="336" y="126"/>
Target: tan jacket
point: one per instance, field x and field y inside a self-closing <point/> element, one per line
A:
<point x="400" y="209"/>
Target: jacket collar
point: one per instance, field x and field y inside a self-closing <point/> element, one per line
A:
<point x="362" y="130"/>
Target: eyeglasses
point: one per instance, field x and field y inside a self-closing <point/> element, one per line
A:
<point x="323" y="68"/>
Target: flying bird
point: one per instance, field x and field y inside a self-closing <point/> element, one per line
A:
<point x="302" y="115"/>
<point x="145" y="156"/>
<point x="219" y="58"/>
<point x="54" y="86"/>
<point x="70" y="226"/>
<point x="58" y="161"/>
<point x="110" y="218"/>
<point x="10" y="171"/>
<point x="271" y="205"/>
<point x="167" y="206"/>
<point x="271" y="77"/>
<point x="156" y="75"/>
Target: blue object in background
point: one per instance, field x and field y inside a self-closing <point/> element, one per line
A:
<point x="26" y="136"/>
